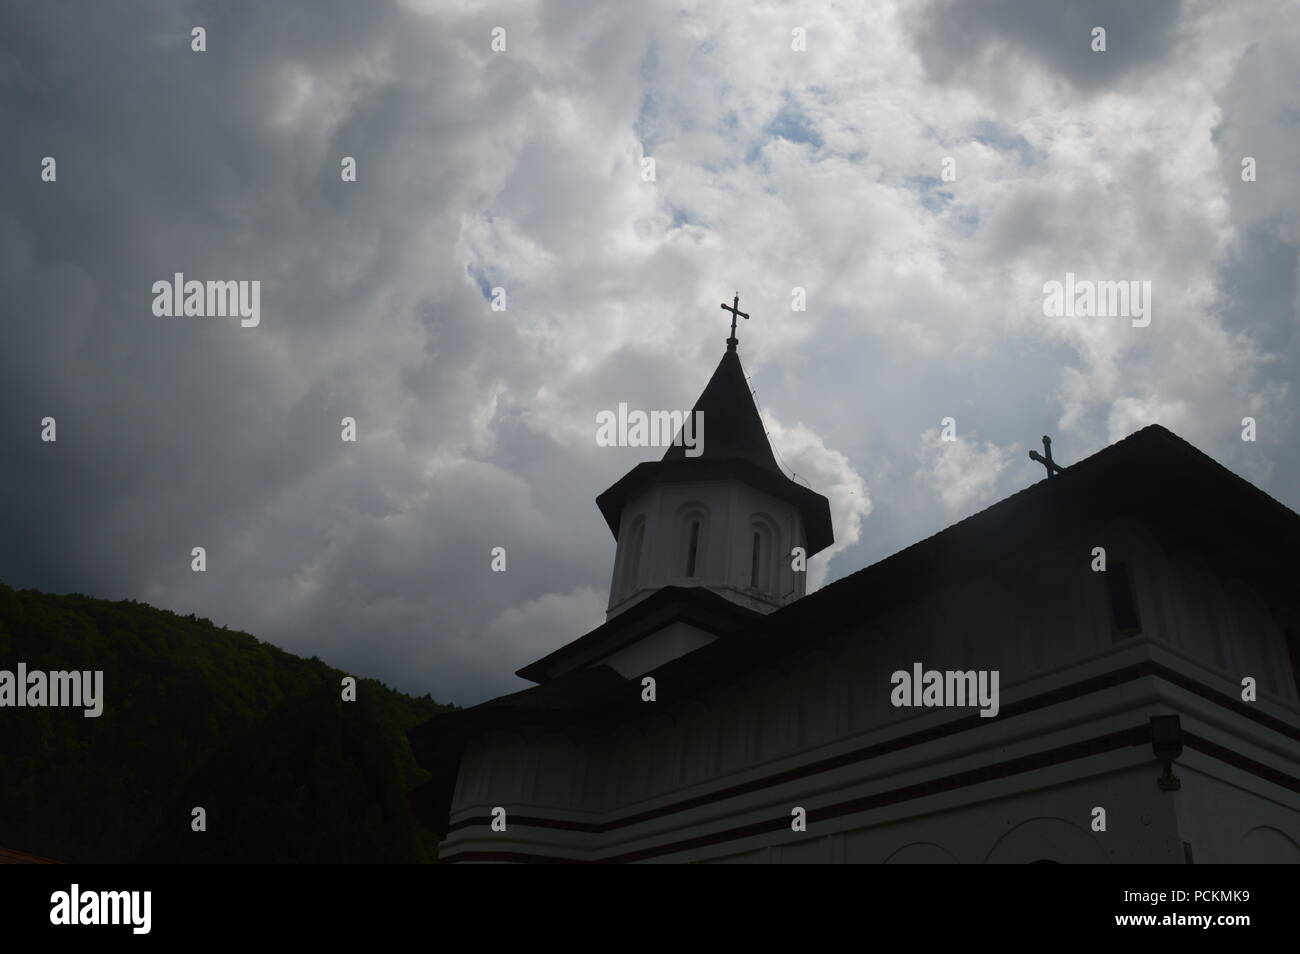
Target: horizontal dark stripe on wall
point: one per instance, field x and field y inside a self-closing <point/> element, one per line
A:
<point x="1237" y="760"/>
<point x="1244" y="709"/>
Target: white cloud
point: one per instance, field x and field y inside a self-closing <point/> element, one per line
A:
<point x="831" y="474"/>
<point x="528" y="631"/>
<point x="963" y="472"/>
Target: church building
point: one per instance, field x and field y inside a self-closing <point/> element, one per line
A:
<point x="1102" y="667"/>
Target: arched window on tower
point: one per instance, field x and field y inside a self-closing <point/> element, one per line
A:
<point x="764" y="545"/>
<point x="632" y="556"/>
<point x="692" y="536"/>
<point x="693" y="549"/>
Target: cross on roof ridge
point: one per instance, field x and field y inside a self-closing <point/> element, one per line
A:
<point x="1053" y="468"/>
<point x="734" y="308"/>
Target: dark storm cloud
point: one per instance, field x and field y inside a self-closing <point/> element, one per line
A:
<point x="952" y="34"/>
<point x="182" y="432"/>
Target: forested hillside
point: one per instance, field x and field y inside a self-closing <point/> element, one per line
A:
<point x="197" y="715"/>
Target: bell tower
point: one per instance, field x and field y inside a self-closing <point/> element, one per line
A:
<point x="727" y="520"/>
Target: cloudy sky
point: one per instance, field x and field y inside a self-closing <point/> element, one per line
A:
<point x="775" y="168"/>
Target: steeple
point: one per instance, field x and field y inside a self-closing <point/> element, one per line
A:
<point x="733" y="428"/>
<point x="727" y="519"/>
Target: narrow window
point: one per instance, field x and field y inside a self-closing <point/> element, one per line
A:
<point x="1123" y="601"/>
<point x="1293" y="650"/>
<point x="693" y="549"/>
<point x="753" y="563"/>
<point x="632" y="558"/>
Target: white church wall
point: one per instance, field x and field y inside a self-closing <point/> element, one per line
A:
<point x="1230" y="817"/>
<point x="1142" y="829"/>
<point x="1041" y="824"/>
<point x="1045" y="815"/>
<point x="1230" y="625"/>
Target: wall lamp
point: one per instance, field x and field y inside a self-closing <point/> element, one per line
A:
<point x="1167" y="744"/>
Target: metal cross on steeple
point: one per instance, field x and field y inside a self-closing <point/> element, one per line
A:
<point x="734" y="308"/>
<point x="1053" y="468"/>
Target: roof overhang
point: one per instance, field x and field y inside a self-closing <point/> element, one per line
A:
<point x="696" y="605"/>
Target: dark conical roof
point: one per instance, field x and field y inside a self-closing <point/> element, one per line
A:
<point x="732" y="427"/>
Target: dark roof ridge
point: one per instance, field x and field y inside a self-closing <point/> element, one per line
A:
<point x="1069" y="476"/>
